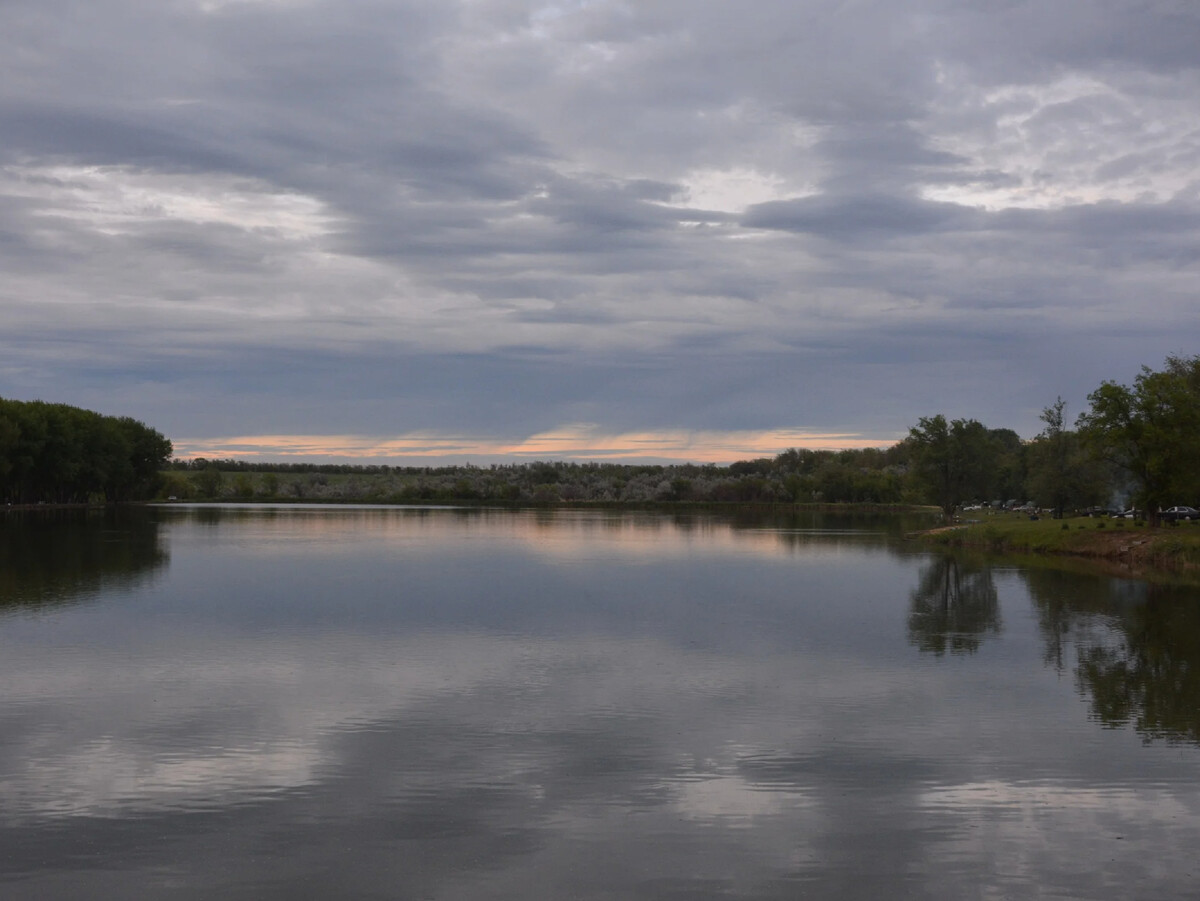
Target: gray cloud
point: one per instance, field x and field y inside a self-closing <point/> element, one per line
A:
<point x="653" y="214"/>
<point x="865" y="218"/>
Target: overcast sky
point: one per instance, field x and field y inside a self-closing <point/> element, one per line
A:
<point x="665" y="228"/>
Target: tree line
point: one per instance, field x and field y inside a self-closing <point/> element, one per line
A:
<point x="56" y="453"/>
<point x="879" y="476"/>
<point x="1137" y="443"/>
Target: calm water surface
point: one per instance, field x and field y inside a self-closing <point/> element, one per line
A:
<point x="440" y="704"/>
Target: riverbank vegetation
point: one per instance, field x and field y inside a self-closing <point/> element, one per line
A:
<point x="794" y="477"/>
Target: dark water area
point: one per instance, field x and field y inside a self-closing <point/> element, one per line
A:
<point x="405" y="703"/>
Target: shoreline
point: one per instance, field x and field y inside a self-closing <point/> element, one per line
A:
<point x="1135" y="549"/>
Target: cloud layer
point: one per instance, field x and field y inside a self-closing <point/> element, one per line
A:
<point x="502" y="218"/>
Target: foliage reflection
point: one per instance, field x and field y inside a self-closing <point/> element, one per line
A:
<point x="62" y="556"/>
<point x="1137" y="649"/>
<point x="953" y="608"/>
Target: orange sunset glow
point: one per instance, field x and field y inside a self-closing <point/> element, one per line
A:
<point x="568" y="443"/>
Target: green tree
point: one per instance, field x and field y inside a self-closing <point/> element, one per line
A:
<point x="1152" y="431"/>
<point x="952" y="462"/>
<point x="243" y="486"/>
<point x="1061" y="472"/>
<point x="148" y="453"/>
<point x="270" y="485"/>
<point x="59" y="453"/>
<point x="209" y="481"/>
<point x="10" y="437"/>
<point x="1007" y="474"/>
<point x="176" y="485"/>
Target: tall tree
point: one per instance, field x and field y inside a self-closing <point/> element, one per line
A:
<point x="1007" y="465"/>
<point x="1152" y="431"/>
<point x="1061" y="473"/>
<point x="952" y="461"/>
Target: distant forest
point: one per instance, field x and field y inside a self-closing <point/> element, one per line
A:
<point x="888" y="476"/>
<point x="797" y="476"/>
<point x="1137" y="444"/>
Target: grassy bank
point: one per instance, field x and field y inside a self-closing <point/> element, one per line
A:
<point x="1127" y="542"/>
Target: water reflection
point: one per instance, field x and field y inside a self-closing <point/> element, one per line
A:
<point x="506" y="705"/>
<point x="1136" y="644"/>
<point x="61" y="556"/>
<point x="954" y="606"/>
<point x="565" y="533"/>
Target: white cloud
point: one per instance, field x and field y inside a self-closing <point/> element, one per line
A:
<point x="1077" y="140"/>
<point x="114" y="200"/>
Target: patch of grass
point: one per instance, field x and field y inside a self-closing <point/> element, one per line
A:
<point x="1163" y="547"/>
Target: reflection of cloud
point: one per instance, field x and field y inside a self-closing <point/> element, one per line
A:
<point x="224" y="721"/>
<point x="733" y="798"/>
<point x="109" y="777"/>
<point x="264" y="718"/>
<point x="486" y="759"/>
<point x="1032" y="800"/>
<point x="1072" y="841"/>
<point x="567" y="443"/>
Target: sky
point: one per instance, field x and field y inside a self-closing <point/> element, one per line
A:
<point x="486" y="230"/>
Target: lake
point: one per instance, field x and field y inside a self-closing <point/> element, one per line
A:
<point x="417" y="703"/>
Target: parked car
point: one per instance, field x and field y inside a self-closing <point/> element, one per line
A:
<point x="1173" y="513"/>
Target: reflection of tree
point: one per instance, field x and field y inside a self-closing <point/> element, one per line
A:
<point x="1137" y="649"/>
<point x="1071" y="607"/>
<point x="954" y="607"/>
<point x="59" y="556"/>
